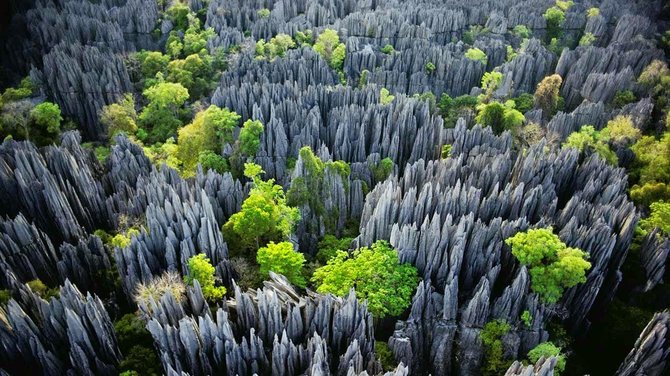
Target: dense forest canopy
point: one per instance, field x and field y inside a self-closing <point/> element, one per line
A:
<point x="316" y="187"/>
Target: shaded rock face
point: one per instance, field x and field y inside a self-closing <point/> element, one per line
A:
<point x="450" y="218"/>
<point x="649" y="356"/>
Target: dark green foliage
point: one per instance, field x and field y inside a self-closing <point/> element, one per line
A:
<point x="5" y="296"/>
<point x="131" y="331"/>
<point x="142" y="360"/>
<point x="552" y="265"/>
<point x="491" y="337"/>
<point x="622" y="98"/>
<point x="383" y="169"/>
<point x="452" y="109"/>
<point x="375" y="273"/>
<point x="162" y="115"/>
<point x="212" y="161"/>
<point x="524" y="102"/>
<point x="178" y="14"/>
<point x="500" y="117"/>
<point x="659" y="217"/>
<point x="120" y="117"/>
<point x="329" y="246"/>
<point x="588" y="141"/>
<point x="554" y="17"/>
<point x="470" y="36"/>
<point x="385" y="356"/>
<point x="304" y="38"/>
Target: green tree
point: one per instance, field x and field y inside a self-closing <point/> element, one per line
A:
<point x="524" y="102"/>
<point x="621" y="131"/>
<point x="500" y="117"/>
<point x="152" y="62"/>
<point x="329" y="47"/>
<point x="250" y="137"/>
<point x="178" y="14"/>
<point x="490" y="83"/>
<point x="45" y="119"/>
<point x="265" y="215"/>
<point x="376" y="275"/>
<point x="161" y="115"/>
<point x="44" y="291"/>
<point x="491" y="336"/>
<point x="553" y="266"/>
<point x="387" y="49"/>
<point x="120" y="117"/>
<point x="383" y="169"/>
<point x="548" y="349"/>
<point x="282" y="259"/>
<point x="622" y="98"/>
<point x="527" y="319"/>
<point x="209" y="160"/>
<point x="201" y="269"/>
<point x="587" y="140"/>
<point x="263" y="13"/>
<point x="522" y="31"/>
<point x="554" y="17"/>
<point x="587" y="39"/>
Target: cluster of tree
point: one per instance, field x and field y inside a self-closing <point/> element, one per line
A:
<point x="375" y="273"/>
<point x="23" y="118"/>
<point x="552" y="265"/>
<point x="280" y="43"/>
<point x="329" y="47"/>
<point x="619" y="133"/>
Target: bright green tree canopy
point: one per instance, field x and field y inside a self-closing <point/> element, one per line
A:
<point x="200" y="268"/>
<point x="282" y="259"/>
<point x="376" y="275"/>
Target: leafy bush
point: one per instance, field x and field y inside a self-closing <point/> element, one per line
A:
<point x="5" y="296"/>
<point x="276" y="47"/>
<point x="587" y="140"/>
<point x="446" y="151"/>
<point x="383" y="169"/>
<point x="524" y="102"/>
<point x="385" y="97"/>
<point x="201" y="269"/>
<point x="470" y="36"/>
<point x="250" y="137"/>
<point x="621" y="131"/>
<point x="491" y="337"/>
<point x="547" y="349"/>
<point x="385" y="356"/>
<point x="522" y="31"/>
<point x="500" y="117"/>
<point x="304" y="38"/>
<point x="45" y="292"/>
<point x="375" y="273"/>
<point x="547" y="94"/>
<point x="388" y="49"/>
<point x="282" y="259"/>
<point x="587" y="39"/>
<point x="263" y="13"/>
<point x="430" y="67"/>
<point x="476" y="54"/>
<point x="46" y="120"/>
<point x="141" y="360"/>
<point x="622" y="98"/>
<point x="592" y="12"/>
<point x="328" y="247"/>
<point x="527" y="319"/>
<point x="452" y="109"/>
<point x="553" y="266"/>
<point x="209" y="160"/>
<point x="161" y="115"/>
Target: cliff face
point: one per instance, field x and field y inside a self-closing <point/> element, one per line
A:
<point x="446" y="211"/>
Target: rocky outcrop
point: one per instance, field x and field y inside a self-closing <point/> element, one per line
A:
<point x="649" y="356"/>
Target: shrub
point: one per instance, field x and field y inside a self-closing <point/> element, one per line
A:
<point x="201" y="269"/>
<point x="430" y="67"/>
<point x="46" y="119"/>
<point x="120" y="117"/>
<point x="375" y="273"/>
<point x="304" y="38"/>
<point x="141" y="359"/>
<point x="476" y="54"/>
<point x="522" y="31"/>
<point x="5" y="296"/>
<point x="328" y="247"/>
<point x="499" y="117"/>
<point x="587" y="140"/>
<point x="45" y="292"/>
<point x="446" y="151"/>
<point x="621" y="130"/>
<point x="209" y="160"/>
<point x="491" y="337"/>
<point x="547" y="349"/>
<point x="161" y="115"/>
<point x="527" y="319"/>
<point x="383" y="169"/>
<point x="388" y="49"/>
<point x="554" y="17"/>
<point x="592" y="12"/>
<point x="248" y="275"/>
<point x="385" y="356"/>
<point x="385" y="97"/>
<point x="282" y="259"/>
<point x="250" y="137"/>
<point x="648" y="193"/>
<point x="553" y="266"/>
<point x="155" y="289"/>
<point x="587" y="39"/>
<point x="263" y="13"/>
<point x="524" y="102"/>
<point x="622" y="98"/>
